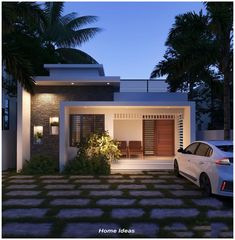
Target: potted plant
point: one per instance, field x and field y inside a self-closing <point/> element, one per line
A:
<point x="38" y="137"/>
<point x="54" y="128"/>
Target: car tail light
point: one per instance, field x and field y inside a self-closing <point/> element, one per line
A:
<point x="223" y="161"/>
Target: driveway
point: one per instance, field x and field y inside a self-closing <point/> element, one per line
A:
<point x="140" y="204"/>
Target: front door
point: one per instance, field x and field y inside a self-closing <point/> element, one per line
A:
<point x="164" y="138"/>
<point x="158" y="137"/>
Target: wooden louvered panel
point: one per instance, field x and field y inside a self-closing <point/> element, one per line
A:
<point x="164" y="137"/>
<point x="148" y="137"/>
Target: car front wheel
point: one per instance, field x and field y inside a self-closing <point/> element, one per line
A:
<point x="205" y="184"/>
<point x="176" y="168"/>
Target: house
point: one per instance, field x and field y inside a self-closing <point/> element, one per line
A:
<point x="76" y="100"/>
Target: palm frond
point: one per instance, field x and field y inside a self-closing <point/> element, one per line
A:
<point x="79" y="22"/>
<point x="76" y="38"/>
<point x="75" y="56"/>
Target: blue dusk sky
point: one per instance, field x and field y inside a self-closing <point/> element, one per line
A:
<point x="134" y="33"/>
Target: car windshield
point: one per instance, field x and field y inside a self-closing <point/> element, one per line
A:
<point x="226" y="148"/>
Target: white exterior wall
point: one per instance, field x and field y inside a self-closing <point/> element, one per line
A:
<point x="120" y="129"/>
<point x="23" y="127"/>
<point x="128" y="130"/>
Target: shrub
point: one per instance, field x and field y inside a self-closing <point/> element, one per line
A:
<point x="103" y="144"/>
<point x="40" y="165"/>
<point x="94" y="156"/>
<point x="95" y="165"/>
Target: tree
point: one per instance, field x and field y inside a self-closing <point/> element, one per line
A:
<point x="62" y="33"/>
<point x="221" y="25"/>
<point x="18" y="21"/>
<point x="200" y="51"/>
<point x="35" y="34"/>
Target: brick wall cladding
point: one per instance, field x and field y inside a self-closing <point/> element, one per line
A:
<point x="45" y="106"/>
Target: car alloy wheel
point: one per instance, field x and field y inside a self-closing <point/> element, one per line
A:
<point x="205" y="184"/>
<point x="176" y="168"/>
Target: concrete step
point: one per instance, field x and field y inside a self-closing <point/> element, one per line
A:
<point x="142" y="164"/>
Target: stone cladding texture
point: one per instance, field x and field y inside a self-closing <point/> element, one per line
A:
<point x="45" y="103"/>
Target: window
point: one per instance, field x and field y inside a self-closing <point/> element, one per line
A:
<point x="83" y="125"/>
<point x="5" y="115"/>
<point x="203" y="150"/>
<point x="191" y="148"/>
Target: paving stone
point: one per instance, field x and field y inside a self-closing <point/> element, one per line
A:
<point x="168" y="186"/>
<point x="127" y="213"/>
<point x="190" y="193"/>
<point x="21" y="213"/>
<point x="141" y="176"/>
<point x="168" y="176"/>
<point x="146" y="193"/>
<point x="183" y="181"/>
<point x="22" y="181"/>
<point x="70" y="202"/>
<point x="208" y="202"/>
<point x="187" y="234"/>
<point x="161" y="202"/>
<point x="59" y="186"/>
<point x="23" y="193"/>
<point x="145" y="229"/>
<point x="94" y="186"/>
<point x="153" y="181"/>
<point x="87" y="181"/>
<point x="26" y="229"/>
<point x="29" y="202"/>
<point x="87" y="230"/>
<point x="216" y="228"/>
<point x="112" y="176"/>
<point x="21" y="176"/>
<point x="22" y="186"/>
<point x="64" y="193"/>
<point x="55" y="181"/>
<point x="113" y="193"/>
<point x="51" y="176"/>
<point x="176" y="227"/>
<point x="85" y="212"/>
<point x="227" y="234"/>
<point x="202" y="228"/>
<point x="81" y="176"/>
<point x="178" y="212"/>
<point x="121" y="180"/>
<point x="131" y="186"/>
<point x="220" y="213"/>
<point x="116" y="201"/>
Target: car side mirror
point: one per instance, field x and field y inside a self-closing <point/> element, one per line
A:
<point x="181" y="150"/>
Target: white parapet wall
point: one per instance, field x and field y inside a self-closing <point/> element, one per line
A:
<point x="23" y="126"/>
<point x="212" y="135"/>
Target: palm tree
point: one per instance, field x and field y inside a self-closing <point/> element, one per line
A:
<point x="30" y="30"/>
<point x="197" y="45"/>
<point x="65" y="32"/>
<point x="182" y="62"/>
<point x="221" y="24"/>
<point x="18" y="20"/>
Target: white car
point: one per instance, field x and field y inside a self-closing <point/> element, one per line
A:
<point x="208" y="164"/>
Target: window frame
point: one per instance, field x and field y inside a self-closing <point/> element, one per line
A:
<point x="81" y="132"/>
